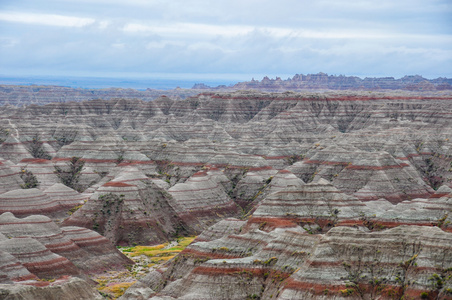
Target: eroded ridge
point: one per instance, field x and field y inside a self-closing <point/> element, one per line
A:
<point x="293" y="195"/>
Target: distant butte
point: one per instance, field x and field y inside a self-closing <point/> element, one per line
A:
<point x="43" y="94"/>
<point x="322" y="81"/>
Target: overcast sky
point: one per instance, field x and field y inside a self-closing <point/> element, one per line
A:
<point x="138" y="38"/>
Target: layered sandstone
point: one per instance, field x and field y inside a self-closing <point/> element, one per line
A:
<point x="24" y="202"/>
<point x="288" y="263"/>
<point x="55" y="202"/>
<point x="202" y="200"/>
<point x="63" y="288"/>
<point x="42" y="249"/>
<point x="130" y="209"/>
<point x="311" y="175"/>
<point x="10" y="175"/>
<point x="310" y="241"/>
<point x="367" y="175"/>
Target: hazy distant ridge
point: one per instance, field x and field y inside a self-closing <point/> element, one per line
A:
<point x="341" y="82"/>
<point x="43" y="94"/>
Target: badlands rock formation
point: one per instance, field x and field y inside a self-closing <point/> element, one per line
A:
<point x="277" y="253"/>
<point x="217" y="155"/>
<point x="324" y="81"/>
<point x="47" y="250"/>
<point x="24" y="95"/>
<point x="40" y="260"/>
<point x="293" y="195"/>
<point x="130" y="209"/>
<point x="23" y="202"/>
<point x="63" y="288"/>
<point x="38" y="94"/>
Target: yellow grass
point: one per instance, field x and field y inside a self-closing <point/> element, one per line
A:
<point x="118" y="289"/>
<point x="116" y="283"/>
<point x="158" y="251"/>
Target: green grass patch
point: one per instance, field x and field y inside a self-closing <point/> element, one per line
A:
<point x="159" y="252"/>
<point x="116" y="290"/>
<point x="114" y="284"/>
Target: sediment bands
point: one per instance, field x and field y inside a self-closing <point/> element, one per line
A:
<point x="293" y="195"/>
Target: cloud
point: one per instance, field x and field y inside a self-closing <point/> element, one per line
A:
<point x="104" y="24"/>
<point x="191" y="29"/>
<point x="8" y="42"/>
<point x="198" y="30"/>
<point x="153" y="45"/>
<point x="254" y="36"/>
<point x="119" y="46"/>
<point x="45" y="19"/>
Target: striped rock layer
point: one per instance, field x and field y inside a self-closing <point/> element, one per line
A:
<point x="214" y="151"/>
<point x="130" y="209"/>
<point x="319" y="206"/>
<point x="69" y="288"/>
<point x="367" y="175"/>
<point x="202" y="200"/>
<point x="292" y="264"/>
<point x="10" y="176"/>
<point x="401" y="138"/>
<point x="312" y="241"/>
<point x="306" y="165"/>
<point x="54" y="202"/>
<point x="36" y="247"/>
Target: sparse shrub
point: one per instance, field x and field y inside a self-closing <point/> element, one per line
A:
<point x="120" y="157"/>
<point x="442" y="223"/>
<point x="297" y="253"/>
<point x="70" y="176"/>
<point x="30" y="180"/>
<point x="271" y="261"/>
<point x="257" y="261"/>
<point x="75" y="208"/>
<point x="347" y="292"/>
<point x="105" y="295"/>
<point x="431" y="173"/>
<point x="370" y="223"/>
<point x="440" y="283"/>
<point x="4" y="133"/>
<point x="288" y="269"/>
<point x="200" y="260"/>
<point x="294" y="158"/>
<point x="269" y="180"/>
<point x="64" y="140"/>
<point x="424" y="295"/>
<point x="36" y="149"/>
